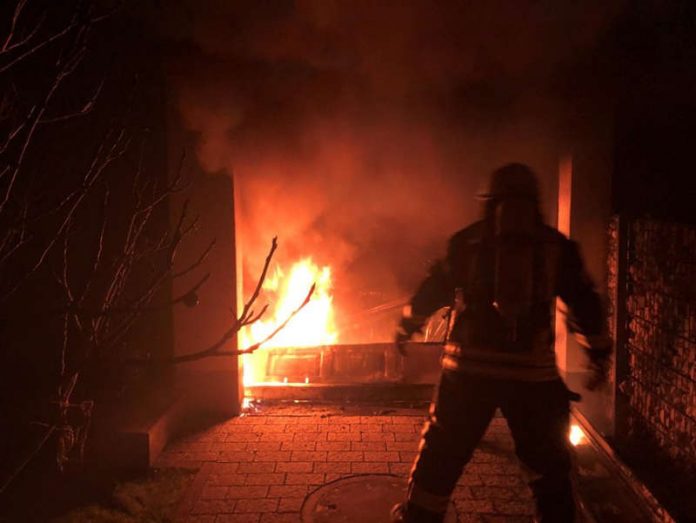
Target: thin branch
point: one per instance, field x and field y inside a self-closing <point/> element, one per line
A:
<point x="134" y="309"/>
<point x="15" y="18"/>
<point x="100" y="249"/>
<point x="27" y="460"/>
<point x="247" y="306"/>
<point x="280" y="327"/>
<point x="214" y="349"/>
<point x="86" y="108"/>
<point x="15" y="132"/>
<point x="38" y="46"/>
<point x="197" y="262"/>
<point x="254" y="319"/>
<point x="101" y="160"/>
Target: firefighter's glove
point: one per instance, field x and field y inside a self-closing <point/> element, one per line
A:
<point x="598" y="368"/>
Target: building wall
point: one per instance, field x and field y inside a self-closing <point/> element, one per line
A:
<point x="210" y="386"/>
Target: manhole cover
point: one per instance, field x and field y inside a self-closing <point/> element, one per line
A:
<point x="358" y="499"/>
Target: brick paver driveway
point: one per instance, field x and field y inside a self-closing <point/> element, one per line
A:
<point x="258" y="468"/>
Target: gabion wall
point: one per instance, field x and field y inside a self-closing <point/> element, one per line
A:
<point x="659" y="335"/>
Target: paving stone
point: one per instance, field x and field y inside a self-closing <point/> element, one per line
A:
<point x="369" y="468"/>
<point x="473" y="505"/>
<point x="406" y="436"/>
<point x="339" y="427"/>
<point x="308" y="455"/>
<point x="462" y="492"/>
<point x="256" y="505"/>
<point x="365" y="427"/>
<point x="290" y="504"/>
<point x="266" y="479"/>
<point x="382" y="456"/>
<point x="236" y="428"/>
<point x="304" y="479"/>
<point x="375" y="436"/>
<point x="272" y="455"/>
<point x="498" y="480"/>
<point x="265" y="429"/>
<point x="463" y="517"/>
<point x="288" y="491"/>
<point x="400" y="469"/>
<point x="275" y="436"/>
<point x="247" y="492"/>
<point x="469" y="478"/>
<point x="347" y="436"/>
<point x="242" y="437"/>
<point x="264" y="446"/>
<point x="229" y="445"/>
<point x="309" y="436"/>
<point x="235" y="455"/>
<point x="335" y="445"/>
<point x="403" y="428"/>
<point x="489" y="518"/>
<point x="283" y="420"/>
<point x="514" y="507"/>
<point x="255" y="467"/>
<point x="213" y="506"/>
<point x="307" y="427"/>
<point x="376" y="446"/>
<point x="209" y="518"/>
<point x="409" y="446"/>
<point x="407" y="457"/>
<point x="238" y="518"/>
<point x="281" y="518"/>
<point x="214" y="492"/>
<point x="299" y="445"/>
<point x="334" y="477"/>
<point x="227" y="480"/>
<point x="376" y="419"/>
<point x="339" y="467"/>
<point x="493" y="493"/>
<point x="346" y="455"/>
<point x="295" y="466"/>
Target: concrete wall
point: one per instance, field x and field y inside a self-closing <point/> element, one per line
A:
<point x="211" y="386"/>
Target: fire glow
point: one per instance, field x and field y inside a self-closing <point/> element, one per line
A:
<point x="313" y="326"/>
<point x="576" y="435"/>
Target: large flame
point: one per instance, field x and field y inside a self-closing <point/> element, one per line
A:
<point x="313" y="325"/>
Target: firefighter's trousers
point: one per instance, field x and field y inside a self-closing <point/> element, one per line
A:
<point x="538" y="416"/>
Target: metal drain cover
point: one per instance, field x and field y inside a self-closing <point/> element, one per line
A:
<point x="358" y="499"/>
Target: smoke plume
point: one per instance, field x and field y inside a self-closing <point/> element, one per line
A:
<point x="359" y="132"/>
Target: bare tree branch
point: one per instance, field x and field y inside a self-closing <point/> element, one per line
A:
<point x="244" y="317"/>
<point x="201" y="258"/>
<point x="86" y="108"/>
<point x="214" y="349"/>
<point x="20" y="468"/>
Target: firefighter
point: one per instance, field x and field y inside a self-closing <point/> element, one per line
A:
<point x="500" y="277"/>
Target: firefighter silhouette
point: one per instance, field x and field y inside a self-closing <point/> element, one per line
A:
<point x="500" y="277"/>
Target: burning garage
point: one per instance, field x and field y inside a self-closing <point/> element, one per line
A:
<point x="216" y="215"/>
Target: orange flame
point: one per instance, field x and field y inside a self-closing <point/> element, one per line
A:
<point x="576" y="435"/>
<point x="313" y="325"/>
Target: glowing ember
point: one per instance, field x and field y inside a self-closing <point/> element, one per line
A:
<point x="576" y="435"/>
<point x="313" y="325"/>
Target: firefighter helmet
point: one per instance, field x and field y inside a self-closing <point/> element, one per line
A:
<point x="514" y="180"/>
